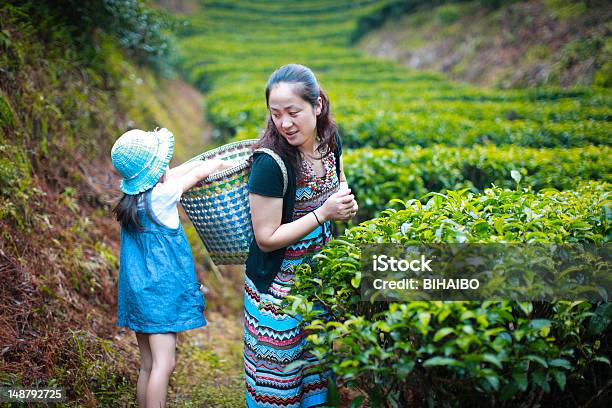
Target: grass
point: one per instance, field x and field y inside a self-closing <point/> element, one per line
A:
<point x="209" y="370"/>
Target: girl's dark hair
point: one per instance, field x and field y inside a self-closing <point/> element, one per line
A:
<point x="308" y="89"/>
<point x="126" y="211"/>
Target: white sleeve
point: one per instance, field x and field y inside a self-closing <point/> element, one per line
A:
<point x="164" y="199"/>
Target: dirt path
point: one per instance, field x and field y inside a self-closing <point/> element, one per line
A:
<point x="209" y="370"/>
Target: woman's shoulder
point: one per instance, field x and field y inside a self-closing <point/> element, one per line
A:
<point x="269" y="163"/>
<point x="268" y="175"/>
<point x="264" y="159"/>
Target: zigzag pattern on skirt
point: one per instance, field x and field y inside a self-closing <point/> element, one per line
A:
<point x="267" y="307"/>
<point x="272" y="336"/>
<point x="285" y="401"/>
<point x="268" y="352"/>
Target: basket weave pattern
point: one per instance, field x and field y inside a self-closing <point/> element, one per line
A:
<point x="218" y="206"/>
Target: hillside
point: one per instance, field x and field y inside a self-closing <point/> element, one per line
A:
<point x="519" y="44"/>
<point x="61" y="108"/>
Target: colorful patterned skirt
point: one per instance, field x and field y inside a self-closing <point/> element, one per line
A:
<point x="273" y="340"/>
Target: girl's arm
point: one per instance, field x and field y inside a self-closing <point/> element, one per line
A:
<point x="192" y="173"/>
<point x="182" y="169"/>
<point x="266" y="216"/>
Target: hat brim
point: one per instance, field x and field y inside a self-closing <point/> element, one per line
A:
<point x="159" y="165"/>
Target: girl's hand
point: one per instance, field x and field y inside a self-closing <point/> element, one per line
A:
<point x="202" y="170"/>
<point x="217" y="165"/>
<point x="212" y="166"/>
<point x="340" y="206"/>
<point x="228" y="164"/>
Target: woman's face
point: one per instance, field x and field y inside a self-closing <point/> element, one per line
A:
<point x="295" y="118"/>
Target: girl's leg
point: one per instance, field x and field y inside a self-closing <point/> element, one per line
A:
<point x="146" y="361"/>
<point x="163" y="349"/>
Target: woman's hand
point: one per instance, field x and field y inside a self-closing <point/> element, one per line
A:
<point x="340" y="206"/>
<point x="352" y="212"/>
<point x="271" y="234"/>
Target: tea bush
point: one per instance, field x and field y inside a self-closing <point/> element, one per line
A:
<point x="461" y="353"/>
<point x="379" y="175"/>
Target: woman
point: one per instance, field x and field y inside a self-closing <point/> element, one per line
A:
<point x="288" y="228"/>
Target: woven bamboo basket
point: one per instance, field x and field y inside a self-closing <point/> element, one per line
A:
<point x="218" y="206"/>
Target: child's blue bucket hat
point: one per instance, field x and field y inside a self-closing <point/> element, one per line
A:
<point x="142" y="158"/>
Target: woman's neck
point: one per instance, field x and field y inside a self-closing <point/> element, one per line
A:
<point x="308" y="147"/>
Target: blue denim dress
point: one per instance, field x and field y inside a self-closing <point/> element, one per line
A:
<point x="158" y="289"/>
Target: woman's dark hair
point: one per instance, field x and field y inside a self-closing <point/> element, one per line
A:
<point x="308" y="89"/>
<point x="126" y="211"/>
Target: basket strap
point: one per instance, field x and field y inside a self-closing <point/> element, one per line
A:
<point x="280" y="163"/>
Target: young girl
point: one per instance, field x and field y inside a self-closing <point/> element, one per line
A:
<point x="158" y="291"/>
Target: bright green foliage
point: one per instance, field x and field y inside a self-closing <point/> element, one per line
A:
<point x="15" y="185"/>
<point x="459" y="353"/>
<point x="387" y="10"/>
<point x="231" y="49"/>
<point x="379" y="175"/>
<point x="6" y="114"/>
<point x="141" y="30"/>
